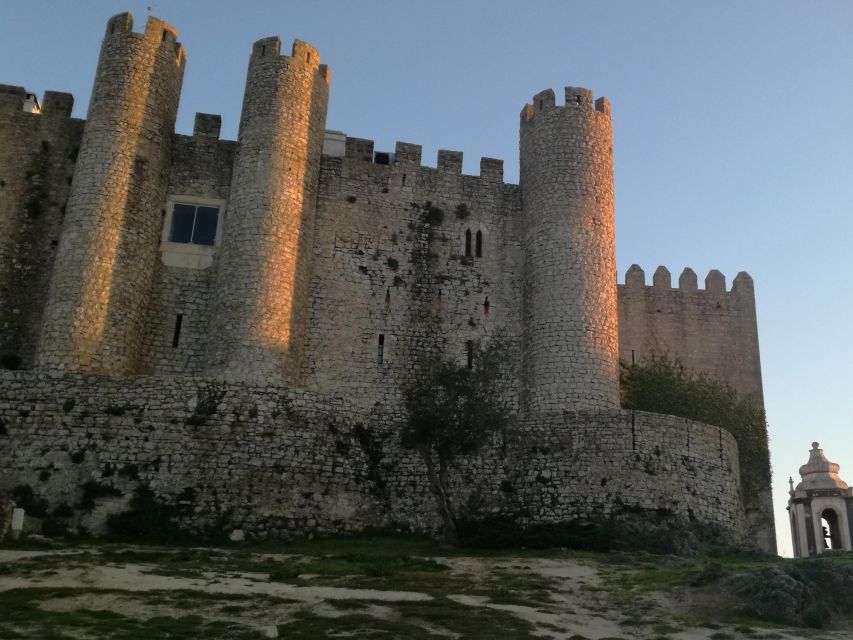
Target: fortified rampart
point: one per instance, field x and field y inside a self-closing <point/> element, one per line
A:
<point x="274" y="461"/>
<point x="301" y="263"/>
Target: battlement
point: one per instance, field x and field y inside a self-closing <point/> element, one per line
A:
<point x="302" y="53"/>
<point x="715" y="281"/>
<point x="207" y="125"/>
<point x="158" y="32"/>
<point x="576" y="98"/>
<point x="450" y="162"/>
<point x="13" y="99"/>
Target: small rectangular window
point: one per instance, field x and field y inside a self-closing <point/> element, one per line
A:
<point x="380" y="352"/>
<point x="176" y="336"/>
<point x="469" y="349"/>
<point x="194" y="224"/>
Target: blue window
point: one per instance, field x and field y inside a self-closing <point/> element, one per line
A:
<point x="194" y="224"/>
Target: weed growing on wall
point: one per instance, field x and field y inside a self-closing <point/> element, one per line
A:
<point x="665" y="386"/>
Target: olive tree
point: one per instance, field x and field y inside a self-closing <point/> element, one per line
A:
<point x="453" y="410"/>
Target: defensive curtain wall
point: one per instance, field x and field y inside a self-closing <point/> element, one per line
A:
<point x="271" y="461"/>
<point x="333" y="269"/>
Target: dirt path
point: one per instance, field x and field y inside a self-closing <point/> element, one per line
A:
<point x="576" y="604"/>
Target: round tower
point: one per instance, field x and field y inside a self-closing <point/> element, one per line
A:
<point x="264" y="277"/>
<point x="105" y="261"/>
<point x="570" y="348"/>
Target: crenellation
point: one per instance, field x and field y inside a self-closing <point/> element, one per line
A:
<point x="119" y="23"/>
<point x="12" y="99"/>
<point x="635" y="276"/>
<point x="449" y="161"/>
<point x="578" y="97"/>
<point x="662" y="279"/>
<point x="407" y="153"/>
<point x="297" y="266"/>
<point x="267" y="48"/>
<point x="688" y="280"/>
<point x="715" y="282"/>
<point x="207" y="125"/>
<point x="57" y="103"/>
<point x="359" y="148"/>
<point x="492" y="170"/>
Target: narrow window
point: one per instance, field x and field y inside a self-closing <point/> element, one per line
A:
<point x="164" y="35"/>
<point x="403" y="184"/>
<point x="380" y="352"/>
<point x="469" y="348"/>
<point x="176" y="336"/>
<point x="486" y="307"/>
<point x="479" y="244"/>
<point x="468" y="243"/>
<point x="263" y="50"/>
<point x="388" y="299"/>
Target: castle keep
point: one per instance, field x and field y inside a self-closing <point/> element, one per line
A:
<point x="234" y="320"/>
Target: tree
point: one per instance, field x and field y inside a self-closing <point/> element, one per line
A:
<point x="453" y="410"/>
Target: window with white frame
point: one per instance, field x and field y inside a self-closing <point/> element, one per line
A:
<point x="192" y="231"/>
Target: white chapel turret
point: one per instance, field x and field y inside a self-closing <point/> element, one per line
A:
<point x="820" y="508"/>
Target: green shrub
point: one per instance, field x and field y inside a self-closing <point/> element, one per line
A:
<point x="432" y="215"/>
<point x="93" y="490"/>
<point x="150" y="519"/>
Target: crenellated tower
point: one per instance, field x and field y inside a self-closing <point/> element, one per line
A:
<point x="103" y="271"/>
<point x="263" y="291"/>
<point x="569" y="317"/>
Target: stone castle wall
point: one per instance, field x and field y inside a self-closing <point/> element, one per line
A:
<point x="38" y="152"/>
<point x="390" y="260"/>
<point x="711" y="329"/>
<point x="279" y="462"/>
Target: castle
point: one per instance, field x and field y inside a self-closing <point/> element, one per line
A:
<point x="275" y="291"/>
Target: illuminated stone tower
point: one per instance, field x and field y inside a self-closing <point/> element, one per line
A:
<point x="570" y="320"/>
<point x="102" y="275"/>
<point x="263" y="290"/>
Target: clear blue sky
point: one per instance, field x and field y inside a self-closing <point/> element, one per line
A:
<point x="732" y="124"/>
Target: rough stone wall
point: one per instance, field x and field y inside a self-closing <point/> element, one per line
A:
<point x="201" y="167"/>
<point x="710" y="330"/>
<point x="389" y="256"/>
<point x="102" y="276"/>
<point x="279" y="462"/>
<point x="263" y="293"/>
<point x="569" y="304"/>
<point x="37" y="156"/>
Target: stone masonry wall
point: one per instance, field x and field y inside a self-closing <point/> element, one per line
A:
<point x="278" y="463"/>
<point x="390" y="260"/>
<point x="37" y="156"/>
<point x="201" y="168"/>
<point x="711" y="330"/>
